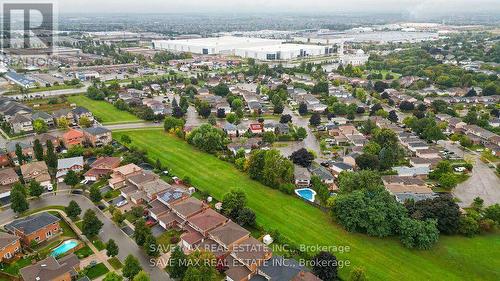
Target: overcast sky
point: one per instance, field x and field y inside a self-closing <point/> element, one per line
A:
<point x="242" y="6"/>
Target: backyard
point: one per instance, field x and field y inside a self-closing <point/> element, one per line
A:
<point x="382" y="259"/>
<point x="104" y="111"/>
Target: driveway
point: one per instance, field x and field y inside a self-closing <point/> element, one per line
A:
<point x="483" y="183"/>
<point x="109" y="230"/>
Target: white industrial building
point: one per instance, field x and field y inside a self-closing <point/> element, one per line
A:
<point x="282" y="51"/>
<point x="212" y="46"/>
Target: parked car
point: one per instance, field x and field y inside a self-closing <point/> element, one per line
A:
<point x="50" y="187"/>
<point x="122" y="203"/>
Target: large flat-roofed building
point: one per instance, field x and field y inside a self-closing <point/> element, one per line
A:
<point x="213" y="45"/>
<point x="281" y="51"/>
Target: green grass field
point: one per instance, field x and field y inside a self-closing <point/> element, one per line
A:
<point x="104" y="111"/>
<point x="453" y="258"/>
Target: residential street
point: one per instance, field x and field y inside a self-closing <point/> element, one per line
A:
<point x="109" y="230"/>
<point x="483" y="183"/>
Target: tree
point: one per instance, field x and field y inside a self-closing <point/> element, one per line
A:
<point x="325" y="266"/>
<point x="38" y="150"/>
<point x="372" y="148"/>
<point x="95" y="194"/>
<point x="62" y="123"/>
<point x="233" y="202"/>
<point x="375" y="213"/>
<point x="172" y="123"/>
<point x="221" y="113"/>
<point x="418" y="234"/>
<point x="36" y="189"/>
<point x="301" y="133"/>
<point x="73" y="210"/>
<point x="365" y="179"/>
<point x="125" y="139"/>
<point x="84" y="122"/>
<point x="201" y="267"/>
<point x="302" y="157"/>
<point x="131" y="267"/>
<point x="315" y="119"/>
<point x="91" y="224"/>
<point x="442" y="208"/>
<point x="221" y="90"/>
<point x="177" y="265"/>
<point x="204" y="109"/>
<point x="50" y="157"/>
<point x="393" y="116"/>
<point x="406" y="106"/>
<point x="142" y="276"/>
<point x="18" y="202"/>
<point x="286" y="118"/>
<point x="367" y="161"/>
<point x="19" y="154"/>
<point x="177" y="112"/>
<point x="112" y="276"/>
<point x="71" y="178"/>
<point x="246" y="217"/>
<point x="40" y="127"/>
<point x="302" y="108"/>
<point x="111" y="248"/>
<point x="380" y="86"/>
<point x="278" y="108"/>
<point x="142" y="231"/>
<point x="268" y="137"/>
<point x="468" y="226"/>
<point x="212" y="120"/>
<point x="368" y="127"/>
<point x="118" y="217"/>
<point x="493" y="212"/>
<point x="151" y="246"/>
<point x="448" y="180"/>
<point x="232" y="118"/>
<point x="207" y="138"/>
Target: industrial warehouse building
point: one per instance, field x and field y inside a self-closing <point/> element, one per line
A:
<point x="246" y="47"/>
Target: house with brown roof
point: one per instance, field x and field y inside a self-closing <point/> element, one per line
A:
<point x="189" y="207"/>
<point x="229" y="234"/>
<point x="102" y="167"/>
<point x="407" y="187"/>
<point x="120" y="174"/>
<point x="206" y="221"/>
<point x="8" y="177"/>
<point x="252" y="253"/>
<point x="37" y="171"/>
<point x="10" y="246"/>
<point x="51" y="269"/>
<point x="4" y="159"/>
<point x="73" y="137"/>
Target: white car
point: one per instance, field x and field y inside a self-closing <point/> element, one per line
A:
<point x="459" y="169"/>
<point x="50" y="187"/>
<point x="122" y="203"/>
<point x="84" y="181"/>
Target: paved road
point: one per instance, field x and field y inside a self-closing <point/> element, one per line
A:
<point x="483" y="183"/>
<point x="109" y="230"/>
<point x="310" y="142"/>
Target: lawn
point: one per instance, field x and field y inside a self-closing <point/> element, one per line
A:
<point x="115" y="263"/>
<point x="98" y="244"/>
<point x="96" y="271"/>
<point x="14" y="267"/>
<point x="382" y="259"/>
<point x="165" y="240"/>
<point x="84" y="252"/>
<point x="104" y="111"/>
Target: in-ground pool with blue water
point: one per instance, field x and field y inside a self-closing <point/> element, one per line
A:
<point x="306" y="193"/>
<point x="64" y="247"/>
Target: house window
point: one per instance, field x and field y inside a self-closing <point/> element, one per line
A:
<point x="49" y="234"/>
<point x="7" y="255"/>
<point x="37" y="238"/>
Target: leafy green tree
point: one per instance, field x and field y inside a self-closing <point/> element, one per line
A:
<point x="277" y="169"/>
<point x="18" y="202"/>
<point x="302" y="157"/>
<point x="19" y="154"/>
<point x="493" y="212"/>
<point x="36" y="189"/>
<point x="38" y="150"/>
<point x="131" y="267"/>
<point x="201" y="267"/>
<point x="91" y="224"/>
<point x="204" y="109"/>
<point x="172" y="123"/>
<point x="50" y="157"/>
<point x="448" y="180"/>
<point x="246" y="217"/>
<point x="142" y="276"/>
<point x="151" y="246"/>
<point x="301" y="133"/>
<point x="302" y="108"/>
<point x="315" y="119"/>
<point x="365" y="179"/>
<point x="40" y="127"/>
<point x="71" y="178"/>
<point x="372" y="148"/>
<point x="269" y="137"/>
<point x="233" y="202"/>
<point x="95" y="194"/>
<point x="73" y="210"/>
<point x="177" y="265"/>
<point x="84" y="122"/>
<point x="418" y="234"/>
<point x="112" y="249"/>
<point x="221" y="90"/>
<point x="207" y="138"/>
<point x="468" y="226"/>
<point x="142" y="232"/>
<point x="118" y="217"/>
<point x="367" y="162"/>
<point x="442" y="208"/>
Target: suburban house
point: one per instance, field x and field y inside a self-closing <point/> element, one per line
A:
<point x="38" y="228"/>
<point x="323" y="173"/>
<point x="302" y="176"/>
<point x="230" y="130"/>
<point x="97" y="136"/>
<point x="102" y="167"/>
<point x="407" y="187"/>
<point x="206" y="221"/>
<point x="79" y="112"/>
<point x="412" y="171"/>
<point x="43" y="138"/>
<point x="120" y="174"/>
<point x="9" y="108"/>
<point x="256" y="128"/>
<point x="44" y="116"/>
<point x="27" y="150"/>
<point x="36" y="171"/>
<point x="68" y="164"/>
<point x="73" y="137"/>
<point x="424" y="162"/>
<point x="51" y="269"/>
<point x="340" y="167"/>
<point x="10" y="246"/>
<point x="8" y="177"/>
<point x="246" y="144"/>
<point x="21" y="124"/>
<point x="64" y="113"/>
<point x="430" y="153"/>
<point x="4" y="159"/>
<point x="280" y="268"/>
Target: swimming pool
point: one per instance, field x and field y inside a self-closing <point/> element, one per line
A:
<point x="64" y="247"/>
<point x="306" y="193"/>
